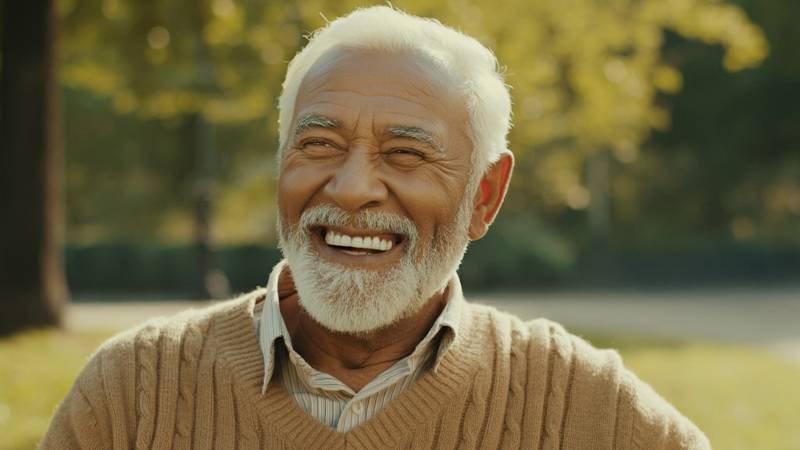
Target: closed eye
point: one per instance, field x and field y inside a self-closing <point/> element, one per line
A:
<point x="316" y="142"/>
<point x="319" y="148"/>
<point x="405" y="158"/>
<point x="406" y="152"/>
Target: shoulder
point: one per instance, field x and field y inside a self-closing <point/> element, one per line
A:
<point x="591" y="387"/>
<point x="161" y="339"/>
<point x="653" y="421"/>
<point x="138" y="371"/>
<point x="546" y="346"/>
<point x="169" y="328"/>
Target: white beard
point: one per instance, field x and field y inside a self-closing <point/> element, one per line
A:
<point x="359" y="301"/>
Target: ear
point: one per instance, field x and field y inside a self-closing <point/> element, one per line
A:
<point x="489" y="197"/>
<point x="286" y="283"/>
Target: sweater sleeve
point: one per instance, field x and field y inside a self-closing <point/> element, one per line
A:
<point x="78" y="422"/>
<point x="99" y="410"/>
<point x="603" y="394"/>
<point x="654" y="423"/>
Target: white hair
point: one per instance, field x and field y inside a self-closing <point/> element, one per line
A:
<point x="472" y="67"/>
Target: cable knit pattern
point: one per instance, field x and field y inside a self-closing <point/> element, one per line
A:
<point x="498" y="387"/>
<point x="147" y="384"/>
<point x="516" y="392"/>
<point x="194" y="381"/>
<point x="190" y="347"/>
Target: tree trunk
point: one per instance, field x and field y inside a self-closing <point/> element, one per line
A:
<point x="198" y="140"/>
<point x="32" y="287"/>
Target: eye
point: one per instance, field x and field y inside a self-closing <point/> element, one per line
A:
<point x="405" y="154"/>
<point x="318" y="147"/>
<point x="315" y="143"/>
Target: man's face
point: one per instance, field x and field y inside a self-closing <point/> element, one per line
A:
<point x="378" y="150"/>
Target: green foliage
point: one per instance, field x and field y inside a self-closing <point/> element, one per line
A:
<point x="586" y="75"/>
<point x="590" y="75"/>
<point x="130" y="178"/>
<point x="730" y="165"/>
<point x="115" y="171"/>
<point x="518" y="253"/>
<point x="167" y="59"/>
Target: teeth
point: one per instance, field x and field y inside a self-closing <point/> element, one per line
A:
<point x="369" y="242"/>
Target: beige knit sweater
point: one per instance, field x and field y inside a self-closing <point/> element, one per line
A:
<point x="194" y="381"/>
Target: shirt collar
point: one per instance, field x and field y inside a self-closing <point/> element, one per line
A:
<point x="271" y="327"/>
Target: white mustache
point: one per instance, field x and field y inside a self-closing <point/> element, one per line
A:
<point x="333" y="216"/>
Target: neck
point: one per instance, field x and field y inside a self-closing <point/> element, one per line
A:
<point x="353" y="359"/>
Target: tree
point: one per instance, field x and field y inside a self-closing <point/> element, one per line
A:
<point x="739" y="175"/>
<point x="588" y="75"/>
<point x="32" y="287"/>
<point x="215" y="62"/>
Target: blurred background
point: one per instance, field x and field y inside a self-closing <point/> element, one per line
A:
<point x="655" y="205"/>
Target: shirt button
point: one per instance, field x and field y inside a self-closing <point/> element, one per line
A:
<point x="357" y="408"/>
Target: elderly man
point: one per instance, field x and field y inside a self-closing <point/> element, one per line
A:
<point x="392" y="158"/>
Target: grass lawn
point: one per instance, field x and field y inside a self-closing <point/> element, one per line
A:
<point x="742" y="398"/>
<point x="37" y="369"/>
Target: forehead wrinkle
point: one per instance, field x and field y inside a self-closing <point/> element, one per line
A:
<point x="396" y="92"/>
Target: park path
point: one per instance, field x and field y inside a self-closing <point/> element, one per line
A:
<point x="756" y="316"/>
<point x="764" y="317"/>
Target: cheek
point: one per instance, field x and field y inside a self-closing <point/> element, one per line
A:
<point x="430" y="202"/>
<point x="296" y="187"/>
<point x="433" y="190"/>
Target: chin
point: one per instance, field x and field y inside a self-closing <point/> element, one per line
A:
<point x="363" y="298"/>
<point x="356" y="301"/>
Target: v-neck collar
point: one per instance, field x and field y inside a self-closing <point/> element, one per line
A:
<point x="272" y="328"/>
<point x="239" y="353"/>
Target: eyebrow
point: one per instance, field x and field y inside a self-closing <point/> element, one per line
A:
<point x="415" y="133"/>
<point x="310" y="121"/>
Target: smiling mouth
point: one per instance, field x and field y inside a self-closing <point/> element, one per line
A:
<point x="355" y="243"/>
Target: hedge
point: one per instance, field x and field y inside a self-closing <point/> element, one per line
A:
<point x="512" y="257"/>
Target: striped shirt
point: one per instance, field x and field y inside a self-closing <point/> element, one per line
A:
<point x="325" y="397"/>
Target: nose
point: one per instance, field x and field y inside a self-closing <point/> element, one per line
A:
<point x="356" y="183"/>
